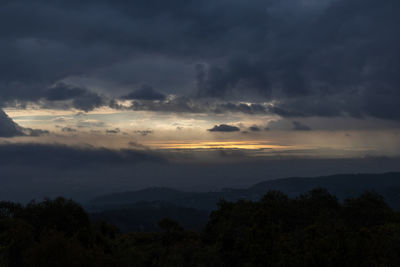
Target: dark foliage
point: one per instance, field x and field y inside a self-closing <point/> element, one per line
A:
<point x="52" y="233"/>
<point x="143" y="216"/>
<point x="313" y="229"/>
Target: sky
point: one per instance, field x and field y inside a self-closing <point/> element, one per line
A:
<point x="101" y="96"/>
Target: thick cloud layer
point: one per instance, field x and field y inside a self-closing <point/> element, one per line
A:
<point x="8" y="128"/>
<point x="145" y="93"/>
<point x="37" y="171"/>
<point x="311" y="58"/>
<point x="62" y="156"/>
<point x="79" y="97"/>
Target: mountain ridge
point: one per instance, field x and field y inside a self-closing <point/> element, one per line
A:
<point x="341" y="185"/>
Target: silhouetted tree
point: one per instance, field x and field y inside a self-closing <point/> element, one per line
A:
<point x="313" y="229"/>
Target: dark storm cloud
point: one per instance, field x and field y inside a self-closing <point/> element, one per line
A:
<point x="145" y="93"/>
<point x="224" y="128"/>
<point x="81" y="98"/>
<point x="8" y="128"/>
<point x="182" y="104"/>
<point x="88" y="102"/>
<point x="298" y="126"/>
<point x="336" y="63"/>
<point x="236" y="74"/>
<point x="62" y="91"/>
<point x="339" y="56"/>
<point x="178" y="104"/>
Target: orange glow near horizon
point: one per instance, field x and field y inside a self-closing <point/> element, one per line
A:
<point x="250" y="145"/>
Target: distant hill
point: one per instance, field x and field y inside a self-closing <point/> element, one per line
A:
<point x="204" y="201"/>
<point x="190" y="207"/>
<point x="341" y="185"/>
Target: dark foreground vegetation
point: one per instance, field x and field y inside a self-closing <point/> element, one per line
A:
<point x="313" y="229"/>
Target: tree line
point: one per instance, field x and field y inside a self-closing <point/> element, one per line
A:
<point x="313" y="229"/>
